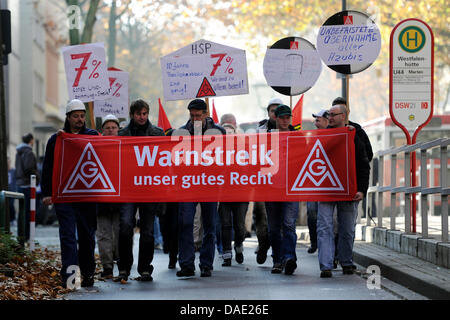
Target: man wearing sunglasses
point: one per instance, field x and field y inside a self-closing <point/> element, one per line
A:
<point x="346" y="210"/>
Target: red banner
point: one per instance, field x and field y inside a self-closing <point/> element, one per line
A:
<point x="316" y="165"/>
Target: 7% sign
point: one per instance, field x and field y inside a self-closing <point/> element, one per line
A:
<point x="86" y="72"/>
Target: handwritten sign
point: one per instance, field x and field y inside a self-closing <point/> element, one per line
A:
<point x="117" y="104"/>
<point x="411" y="74"/>
<point x="292" y="66"/>
<point x="204" y="69"/>
<point x="86" y="72"/>
<point x="349" y="42"/>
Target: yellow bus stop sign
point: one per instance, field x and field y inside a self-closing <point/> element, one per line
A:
<point x="412" y="39"/>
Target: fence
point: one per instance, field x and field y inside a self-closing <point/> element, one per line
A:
<point x="379" y="189"/>
<point x="5" y="197"/>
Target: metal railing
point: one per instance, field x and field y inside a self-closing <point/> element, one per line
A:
<point x="407" y="190"/>
<point x="5" y="197"/>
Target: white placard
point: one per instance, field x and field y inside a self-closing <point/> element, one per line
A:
<point x="86" y="72"/>
<point x="411" y="73"/>
<point x="292" y="68"/>
<point x="204" y="69"/>
<point x="118" y="103"/>
<point x="349" y="42"/>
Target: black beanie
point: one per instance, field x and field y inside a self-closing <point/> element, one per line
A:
<point x="197" y="104"/>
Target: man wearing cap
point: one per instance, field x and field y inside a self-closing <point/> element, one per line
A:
<point x="76" y="220"/>
<point x="139" y="125"/>
<point x="108" y="216"/>
<point x="321" y="122"/>
<point x="346" y="210"/>
<point x="232" y="214"/>
<point x="198" y="124"/>
<point x="283" y="215"/>
<point x="259" y="208"/>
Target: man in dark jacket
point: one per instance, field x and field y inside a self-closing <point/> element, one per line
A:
<point x="346" y="210"/>
<point x="199" y="124"/>
<point x="282" y="216"/>
<point x="139" y="126"/>
<point x="77" y="221"/>
<point x="26" y="165"/>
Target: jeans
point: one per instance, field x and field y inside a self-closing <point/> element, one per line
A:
<point x="77" y="220"/>
<point x="186" y="237"/>
<point x="232" y="215"/>
<point x="146" y="239"/>
<point x="311" y="212"/>
<point x="169" y="229"/>
<point x="262" y="233"/>
<point x="157" y="232"/>
<point x="346" y="217"/>
<point x="281" y="217"/>
<point x="108" y="221"/>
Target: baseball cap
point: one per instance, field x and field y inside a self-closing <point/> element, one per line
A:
<point x="274" y="101"/>
<point x="283" y="110"/>
<point x="321" y="113"/>
<point x="110" y="117"/>
<point x="197" y="104"/>
<point x="75" y="105"/>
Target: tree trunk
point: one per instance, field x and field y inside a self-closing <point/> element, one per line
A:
<point x="112" y="35"/>
<point x="90" y="21"/>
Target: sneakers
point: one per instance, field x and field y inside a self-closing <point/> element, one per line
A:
<point x="239" y="254"/>
<point x="261" y="256"/>
<point x="277" y="268"/>
<point x="87" y="281"/>
<point x="145" y="276"/>
<point x="226" y="263"/>
<point x="326" y="274"/>
<point x="347" y="269"/>
<point x="290" y="266"/>
<point x="205" y="272"/>
<point x="312" y="249"/>
<point x="107" y="273"/>
<point x="185" y="272"/>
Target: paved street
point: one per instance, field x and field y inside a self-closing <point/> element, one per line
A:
<point x="248" y="281"/>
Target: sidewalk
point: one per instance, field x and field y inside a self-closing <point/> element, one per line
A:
<point x="414" y="273"/>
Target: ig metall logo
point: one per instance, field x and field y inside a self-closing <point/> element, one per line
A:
<point x="374" y="278"/>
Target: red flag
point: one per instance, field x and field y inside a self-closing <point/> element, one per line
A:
<point x="214" y="114"/>
<point x="163" y="122"/>
<point x="297" y="114"/>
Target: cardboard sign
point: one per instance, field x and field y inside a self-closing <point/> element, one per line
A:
<point x="349" y="42"/>
<point x="314" y="165"/>
<point x="204" y="69"/>
<point x="411" y="74"/>
<point x="86" y="72"/>
<point x="117" y="104"/>
<point x="293" y="64"/>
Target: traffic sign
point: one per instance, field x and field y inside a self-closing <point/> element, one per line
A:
<point x="349" y="42"/>
<point x="411" y="71"/>
<point x="292" y="66"/>
<point x="204" y="69"/>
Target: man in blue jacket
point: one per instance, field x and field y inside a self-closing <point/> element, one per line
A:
<point x="75" y="219"/>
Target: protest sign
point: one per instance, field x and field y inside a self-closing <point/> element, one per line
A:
<point x="204" y="69"/>
<point x="86" y="72"/>
<point x="349" y="42"/>
<point x="292" y="66"/>
<point x="314" y="165"/>
<point x="117" y="104"/>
